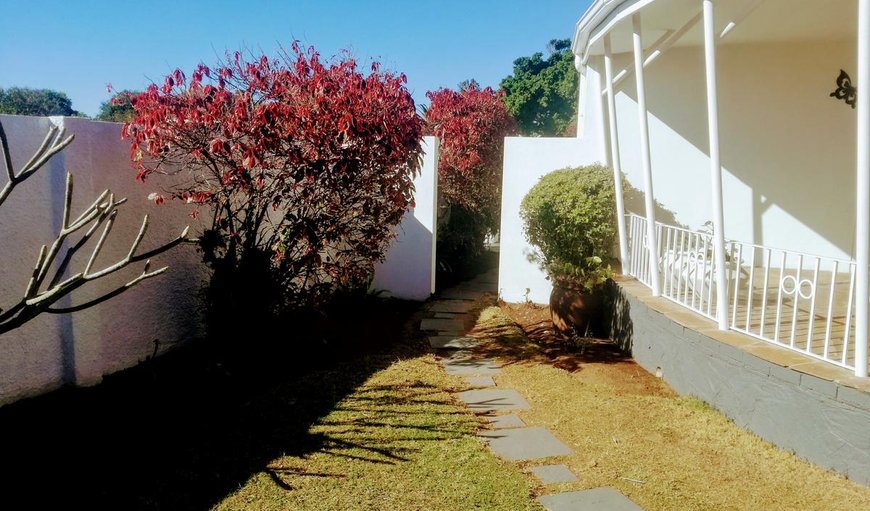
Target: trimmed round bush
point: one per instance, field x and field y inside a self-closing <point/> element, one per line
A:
<point x="569" y="217"/>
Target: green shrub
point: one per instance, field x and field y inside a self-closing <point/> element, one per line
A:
<point x="569" y="218"/>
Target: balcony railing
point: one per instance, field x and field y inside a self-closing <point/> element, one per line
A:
<point x="798" y="301"/>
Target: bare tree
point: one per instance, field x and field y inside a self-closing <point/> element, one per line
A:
<point x="48" y="283"/>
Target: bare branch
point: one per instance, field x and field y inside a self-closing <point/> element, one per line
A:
<point x="57" y="290"/>
<point x="42" y="147"/>
<point x="55" y="148"/>
<point x="32" y="285"/>
<point x="89" y="215"/>
<point x="100" y="242"/>
<point x="61" y="269"/>
<point x="67" y="201"/>
<point x="183" y="238"/>
<point x="49" y="147"/>
<point x="83" y="218"/>
<point x="144" y="275"/>
<point x="138" y="238"/>
<point x="102" y="211"/>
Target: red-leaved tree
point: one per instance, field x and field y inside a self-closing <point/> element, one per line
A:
<point x="303" y="166"/>
<point x="471" y="124"/>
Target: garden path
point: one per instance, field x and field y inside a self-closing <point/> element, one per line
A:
<point x="508" y="436"/>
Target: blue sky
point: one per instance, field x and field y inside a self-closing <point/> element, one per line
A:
<point x="77" y="46"/>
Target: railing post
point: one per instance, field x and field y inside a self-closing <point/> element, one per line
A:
<point x="614" y="156"/>
<point x="637" y="44"/>
<point x="715" y="168"/>
<point x="862" y="210"/>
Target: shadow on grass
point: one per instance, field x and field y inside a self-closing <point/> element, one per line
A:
<point x="187" y="429"/>
<point x="525" y="333"/>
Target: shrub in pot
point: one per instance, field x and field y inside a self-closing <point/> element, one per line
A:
<point x="569" y="217"/>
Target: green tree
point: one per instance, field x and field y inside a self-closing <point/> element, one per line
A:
<point x="542" y="93"/>
<point x="117" y="109"/>
<point x="27" y="101"/>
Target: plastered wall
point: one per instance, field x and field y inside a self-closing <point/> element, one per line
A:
<point x="54" y="350"/>
<point x="787" y="147"/>
<point x="526" y="160"/>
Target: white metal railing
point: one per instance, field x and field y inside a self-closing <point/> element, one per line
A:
<point x="638" y="258"/>
<point x="798" y="301"/>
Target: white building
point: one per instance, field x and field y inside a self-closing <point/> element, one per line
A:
<point x="737" y="117"/>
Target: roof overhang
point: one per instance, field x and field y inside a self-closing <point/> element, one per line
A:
<point x="752" y="21"/>
<point x="598" y="19"/>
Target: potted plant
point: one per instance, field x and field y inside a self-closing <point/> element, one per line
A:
<point x="568" y="216"/>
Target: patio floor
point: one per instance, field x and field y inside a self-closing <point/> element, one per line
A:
<point x="793" y="321"/>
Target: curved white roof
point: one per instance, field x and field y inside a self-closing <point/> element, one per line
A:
<point x="752" y="21"/>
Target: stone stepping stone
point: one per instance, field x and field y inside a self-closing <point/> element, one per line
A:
<point x="554" y="474"/>
<point x="449" y="315"/>
<point x="597" y="499"/>
<point x="493" y="400"/>
<point x="451" y="325"/>
<point x="480" y="381"/>
<point x="523" y="444"/>
<point x="505" y="421"/>
<point x="466" y="365"/>
<point x="459" y="294"/>
<point x="478" y="288"/>
<point x="453" y="342"/>
<point x="451" y="306"/>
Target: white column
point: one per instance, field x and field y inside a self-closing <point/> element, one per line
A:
<point x="715" y="167"/>
<point x="645" y="158"/>
<point x="614" y="156"/>
<point x="862" y="221"/>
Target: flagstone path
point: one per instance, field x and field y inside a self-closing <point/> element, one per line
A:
<point x="509" y="437"/>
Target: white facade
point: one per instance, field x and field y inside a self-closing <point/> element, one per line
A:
<point x="787" y="147"/>
<point x="736" y="102"/>
<point x="526" y="160"/>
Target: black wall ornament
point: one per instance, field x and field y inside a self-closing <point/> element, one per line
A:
<point x="845" y="90"/>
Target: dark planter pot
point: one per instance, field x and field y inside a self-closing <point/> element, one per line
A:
<point x="573" y="309"/>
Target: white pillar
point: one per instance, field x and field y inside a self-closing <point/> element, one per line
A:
<point x="581" y="96"/>
<point x="862" y="221"/>
<point x="715" y="167"/>
<point x="614" y="156"/>
<point x="645" y="158"/>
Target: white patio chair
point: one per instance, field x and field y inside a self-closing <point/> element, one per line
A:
<point x="693" y="270"/>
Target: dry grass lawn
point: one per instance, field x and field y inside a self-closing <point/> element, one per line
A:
<point x="397" y="442"/>
<point x="631" y="431"/>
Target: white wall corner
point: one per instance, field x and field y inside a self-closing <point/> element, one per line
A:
<point x="408" y="270"/>
<point x="582" y="94"/>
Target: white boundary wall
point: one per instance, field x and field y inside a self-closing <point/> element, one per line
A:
<point x="80" y="348"/>
<point x="526" y="160"/>
<point x="53" y="350"/>
<point x="408" y="271"/>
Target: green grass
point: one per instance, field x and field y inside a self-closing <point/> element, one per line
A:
<point x="364" y="421"/>
<point x="396" y="442"/>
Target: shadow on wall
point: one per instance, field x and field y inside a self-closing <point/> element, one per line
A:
<point x="616" y="318"/>
<point x="52" y="350"/>
<point x="634" y="203"/>
<point x="782" y="135"/>
<point x="406" y="271"/>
